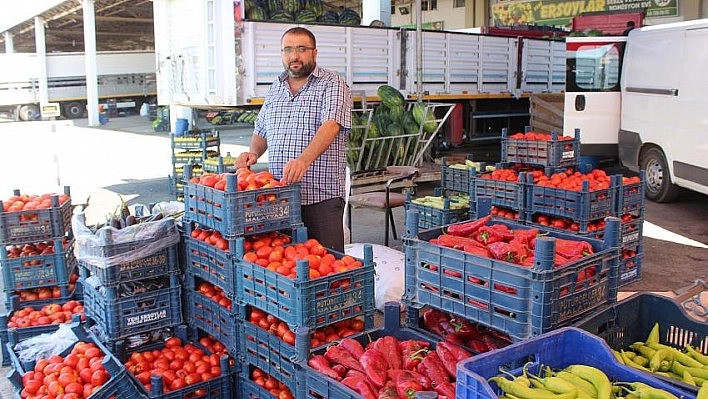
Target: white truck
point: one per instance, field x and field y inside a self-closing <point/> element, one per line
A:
<point x="222" y="59"/>
<point x="126" y="79"/>
<point x="642" y="98"/>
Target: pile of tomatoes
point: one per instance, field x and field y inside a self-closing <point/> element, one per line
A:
<point x="537" y="136"/>
<point x="32" y="249"/>
<point x="322" y="335"/>
<point x="503" y="212"/>
<point x="597" y="180"/>
<point x="214" y="293"/>
<point x="25" y="202"/>
<point x="246" y="180"/>
<point x="179" y="366"/>
<point x="271" y="254"/>
<point x="76" y="376"/>
<point x="41" y="293"/>
<point x="211" y="237"/>
<point x="52" y="313"/>
<point x="275" y="387"/>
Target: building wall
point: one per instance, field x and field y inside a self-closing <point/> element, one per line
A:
<point x="450" y="17"/>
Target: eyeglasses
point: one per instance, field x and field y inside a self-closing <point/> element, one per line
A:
<point x="299" y="49"/>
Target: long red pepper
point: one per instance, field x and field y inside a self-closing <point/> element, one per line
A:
<point x="353" y="347"/>
<point x="360" y="386"/>
<point x="374" y="364"/>
<point x="319" y="363"/>
<point x="412" y="352"/>
<point x="468" y="228"/>
<point x="447" y="390"/>
<point x="433" y="367"/>
<point x="335" y="354"/>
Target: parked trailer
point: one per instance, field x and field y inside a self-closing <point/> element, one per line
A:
<point x="126" y="79"/>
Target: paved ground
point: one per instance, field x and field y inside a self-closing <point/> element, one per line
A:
<point x="126" y="157"/>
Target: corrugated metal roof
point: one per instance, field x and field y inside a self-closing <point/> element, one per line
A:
<point x="120" y="25"/>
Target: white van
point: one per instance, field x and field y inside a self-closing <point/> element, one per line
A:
<point x="654" y="115"/>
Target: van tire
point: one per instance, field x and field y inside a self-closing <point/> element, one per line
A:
<point x="659" y="187"/>
<point x="74" y="109"/>
<point x="28" y="112"/>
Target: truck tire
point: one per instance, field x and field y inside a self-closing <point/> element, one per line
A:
<point x="659" y="187"/>
<point x="74" y="110"/>
<point x="28" y="112"/>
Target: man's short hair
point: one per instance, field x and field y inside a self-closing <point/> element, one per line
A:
<point x="300" y="31"/>
<point x="630" y="24"/>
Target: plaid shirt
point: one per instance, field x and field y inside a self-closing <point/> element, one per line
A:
<point x="289" y="123"/>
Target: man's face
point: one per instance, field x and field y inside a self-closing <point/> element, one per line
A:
<point x="298" y="64"/>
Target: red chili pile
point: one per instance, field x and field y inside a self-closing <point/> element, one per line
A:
<point x="463" y="332"/>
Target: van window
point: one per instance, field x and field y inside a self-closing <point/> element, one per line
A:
<point x="593" y="67"/>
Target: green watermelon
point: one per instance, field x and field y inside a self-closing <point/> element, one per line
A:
<point x="390" y="96"/>
<point x="305" y="16"/>
<point x="257" y="13"/>
<point x="428" y="121"/>
<point x="273" y="5"/>
<point x="349" y="17"/>
<point x="409" y="123"/>
<point x="316" y="6"/>
<point x="281" y="15"/>
<point x="292" y="6"/>
<point x="396" y="113"/>
<point x="329" y="16"/>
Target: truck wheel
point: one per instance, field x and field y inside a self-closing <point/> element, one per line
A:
<point x="659" y="187"/>
<point x="74" y="110"/>
<point x="28" y="112"/>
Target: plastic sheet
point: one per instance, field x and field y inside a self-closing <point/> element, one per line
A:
<point x="45" y="345"/>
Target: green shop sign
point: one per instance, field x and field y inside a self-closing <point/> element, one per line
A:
<point x="560" y="12"/>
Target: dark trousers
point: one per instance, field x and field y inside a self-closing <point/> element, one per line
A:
<point x="324" y="222"/>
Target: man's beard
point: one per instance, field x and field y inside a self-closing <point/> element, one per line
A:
<point x="304" y="71"/>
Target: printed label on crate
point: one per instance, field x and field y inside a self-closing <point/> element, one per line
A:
<point x="30" y="229"/>
<point x="630" y="237"/>
<point x="44" y="272"/>
<point x="568" y="154"/>
<point x="628" y="275"/>
<point x="154" y="260"/>
<point x="146" y="318"/>
<point x="269" y="213"/>
<point x="340" y="302"/>
<point x="579" y="303"/>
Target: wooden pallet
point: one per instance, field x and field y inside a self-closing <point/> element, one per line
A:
<point x="547" y="112"/>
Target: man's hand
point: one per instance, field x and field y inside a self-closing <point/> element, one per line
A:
<point x="246" y="159"/>
<point x="294" y="170"/>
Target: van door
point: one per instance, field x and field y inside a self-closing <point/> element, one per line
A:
<point x="592" y="98"/>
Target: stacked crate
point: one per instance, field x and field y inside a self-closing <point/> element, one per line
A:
<point x="220" y="164"/>
<point x="450" y="202"/>
<point x="193" y="149"/>
<point x="296" y="307"/>
<point x="38" y="264"/>
<point x="130" y="275"/>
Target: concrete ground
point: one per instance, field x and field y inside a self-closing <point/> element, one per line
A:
<point x="127" y="158"/>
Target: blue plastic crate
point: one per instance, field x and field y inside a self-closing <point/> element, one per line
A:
<point x="630" y="197"/>
<point x="631" y="268"/>
<point x="119" y="317"/>
<point x="161" y="263"/>
<point x="36" y="225"/>
<point x="273" y="355"/>
<point x="237" y="213"/>
<point x="206" y="314"/>
<point x="67" y="292"/>
<point x="630" y="231"/>
<point x="581" y="206"/>
<point x="119" y="386"/>
<point x="196" y="139"/>
<point x="211" y="263"/>
<point x="558" y="350"/>
<point x="302" y="302"/>
<point x="217" y="165"/>
<point x="456" y="179"/>
<point x="430" y="217"/>
<point x="520" y="301"/>
<point x="320" y="386"/>
<point x="553" y="153"/>
<point x="219" y="387"/>
<point x="507" y="194"/>
<point x="250" y="390"/>
<point x="631" y="320"/>
<point x="28" y="272"/>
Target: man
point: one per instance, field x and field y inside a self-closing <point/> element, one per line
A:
<point x="304" y="123"/>
<point x="630" y="26"/>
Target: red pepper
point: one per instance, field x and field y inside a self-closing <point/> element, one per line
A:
<point x="353" y="347"/>
<point x="388" y="391"/>
<point x="423" y="380"/>
<point x="341" y="370"/>
<point x="490" y="342"/>
<point x="407" y="388"/>
<point x="488" y="235"/>
<point x="506" y="289"/>
<point x="468" y="228"/>
<point x="477" y="346"/>
<point x="476" y="250"/>
<point x="455" y="338"/>
<point x="526" y="236"/>
<point x="459" y="353"/>
<point x="388" y="345"/>
<point x="519" y="249"/>
<point x="337" y="355"/>
<point x="528" y="261"/>
<point x="433" y="368"/>
<point x="464" y="328"/>
<point x="446" y="390"/>
<point x="569" y="248"/>
<point x="360" y="386"/>
<point x="375" y="364"/>
<point x="450" y="241"/>
<point x="411" y="352"/>
<point x="507" y="234"/>
<point x="359" y="374"/>
<point x="320" y="363"/>
<point x="431" y="321"/>
<point x="449" y="360"/>
<point x="501" y="250"/>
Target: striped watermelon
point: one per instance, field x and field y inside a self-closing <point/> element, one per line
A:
<point x="281" y="15"/>
<point x="292" y="6"/>
<point x="329" y="16"/>
<point x="315" y="6"/>
<point x="349" y="17"/>
<point x="273" y="5"/>
<point x="305" y="16"/>
<point x="257" y="13"/>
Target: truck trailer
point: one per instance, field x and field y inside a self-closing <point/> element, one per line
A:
<point x="126" y="80"/>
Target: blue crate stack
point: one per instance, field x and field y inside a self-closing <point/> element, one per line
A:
<point x="41" y="273"/>
<point x="430" y="217"/>
<point x="303" y="303"/>
<point x="193" y="149"/>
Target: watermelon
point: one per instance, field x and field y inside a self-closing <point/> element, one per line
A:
<point x="428" y="121"/>
<point x="409" y="124"/>
<point x="329" y="16"/>
<point x="316" y="6"/>
<point x="257" y="13"/>
<point x="396" y="113"/>
<point x="281" y="15"/>
<point x="390" y="96"/>
<point x="349" y="17"/>
<point x="382" y="121"/>
<point x="305" y="16"/>
<point x="273" y="5"/>
<point x="291" y="6"/>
